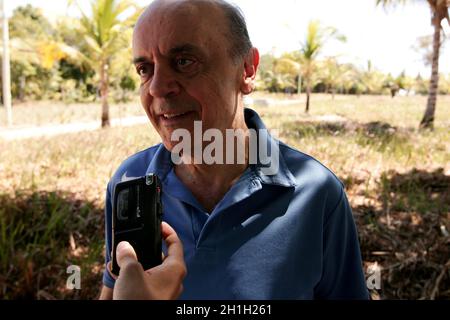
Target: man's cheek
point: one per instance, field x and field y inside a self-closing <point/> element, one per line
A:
<point x="146" y="103"/>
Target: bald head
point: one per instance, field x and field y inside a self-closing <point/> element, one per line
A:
<point x="234" y="27"/>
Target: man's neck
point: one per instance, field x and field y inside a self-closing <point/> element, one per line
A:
<point x="210" y="183"/>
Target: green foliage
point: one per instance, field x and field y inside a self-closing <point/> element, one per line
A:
<point x="29" y="21"/>
<point x="335" y="76"/>
<point x="35" y="228"/>
<point x="106" y="36"/>
<point x="421" y="85"/>
<point x="280" y="74"/>
<point x="277" y="75"/>
<point x="60" y="61"/>
<point x="444" y="84"/>
<point x="316" y="38"/>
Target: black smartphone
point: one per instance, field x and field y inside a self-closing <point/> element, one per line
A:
<point x="137" y="215"/>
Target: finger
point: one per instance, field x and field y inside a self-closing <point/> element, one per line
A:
<point x="125" y="254"/>
<point x="174" y="245"/>
<point x="167" y="230"/>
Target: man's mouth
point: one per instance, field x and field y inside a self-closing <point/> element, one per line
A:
<point x="175" y="118"/>
<point x="174" y="115"/>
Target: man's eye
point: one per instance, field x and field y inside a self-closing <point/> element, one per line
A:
<point x="183" y="64"/>
<point x="143" y="71"/>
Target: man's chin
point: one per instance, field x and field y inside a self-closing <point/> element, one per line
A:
<point x="169" y="145"/>
<point x="171" y="136"/>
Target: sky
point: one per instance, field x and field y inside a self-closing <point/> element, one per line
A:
<point x="385" y="37"/>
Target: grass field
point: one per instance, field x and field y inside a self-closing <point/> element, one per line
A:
<point x="397" y="178"/>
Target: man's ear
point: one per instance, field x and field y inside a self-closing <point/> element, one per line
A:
<point x="251" y="63"/>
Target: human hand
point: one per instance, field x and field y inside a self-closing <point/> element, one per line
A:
<point x="163" y="282"/>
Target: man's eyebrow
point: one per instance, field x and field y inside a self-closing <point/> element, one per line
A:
<point x="140" y="60"/>
<point x="189" y="48"/>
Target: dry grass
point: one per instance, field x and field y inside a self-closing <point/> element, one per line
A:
<point x="398" y="181"/>
<point x="41" y="113"/>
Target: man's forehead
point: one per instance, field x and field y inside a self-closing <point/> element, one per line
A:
<point x="165" y="11"/>
<point x="171" y="42"/>
<point x="177" y="23"/>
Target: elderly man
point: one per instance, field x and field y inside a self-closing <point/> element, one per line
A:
<point x="246" y="233"/>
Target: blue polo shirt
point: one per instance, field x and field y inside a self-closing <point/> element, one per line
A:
<point x="290" y="235"/>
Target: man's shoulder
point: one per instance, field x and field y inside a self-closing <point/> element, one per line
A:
<point x="136" y="165"/>
<point x="310" y="172"/>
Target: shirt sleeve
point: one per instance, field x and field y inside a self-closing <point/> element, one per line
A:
<point x="342" y="272"/>
<point x="108" y="281"/>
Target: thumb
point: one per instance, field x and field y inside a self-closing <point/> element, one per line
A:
<point x="125" y="254"/>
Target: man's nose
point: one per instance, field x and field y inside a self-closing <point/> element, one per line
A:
<point x="163" y="83"/>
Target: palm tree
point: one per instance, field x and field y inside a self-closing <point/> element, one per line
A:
<point x="439" y="12"/>
<point x="371" y="80"/>
<point x="103" y="32"/>
<point x="29" y="52"/>
<point x="316" y="38"/>
<point x="333" y="74"/>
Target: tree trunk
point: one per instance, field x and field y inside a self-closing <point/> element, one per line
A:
<point x="308" y="93"/>
<point x="428" y="117"/>
<point x="393" y="92"/>
<point x="104" y="94"/>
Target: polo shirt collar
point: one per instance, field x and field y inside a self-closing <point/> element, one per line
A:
<point x="283" y="176"/>
<point x="161" y="163"/>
